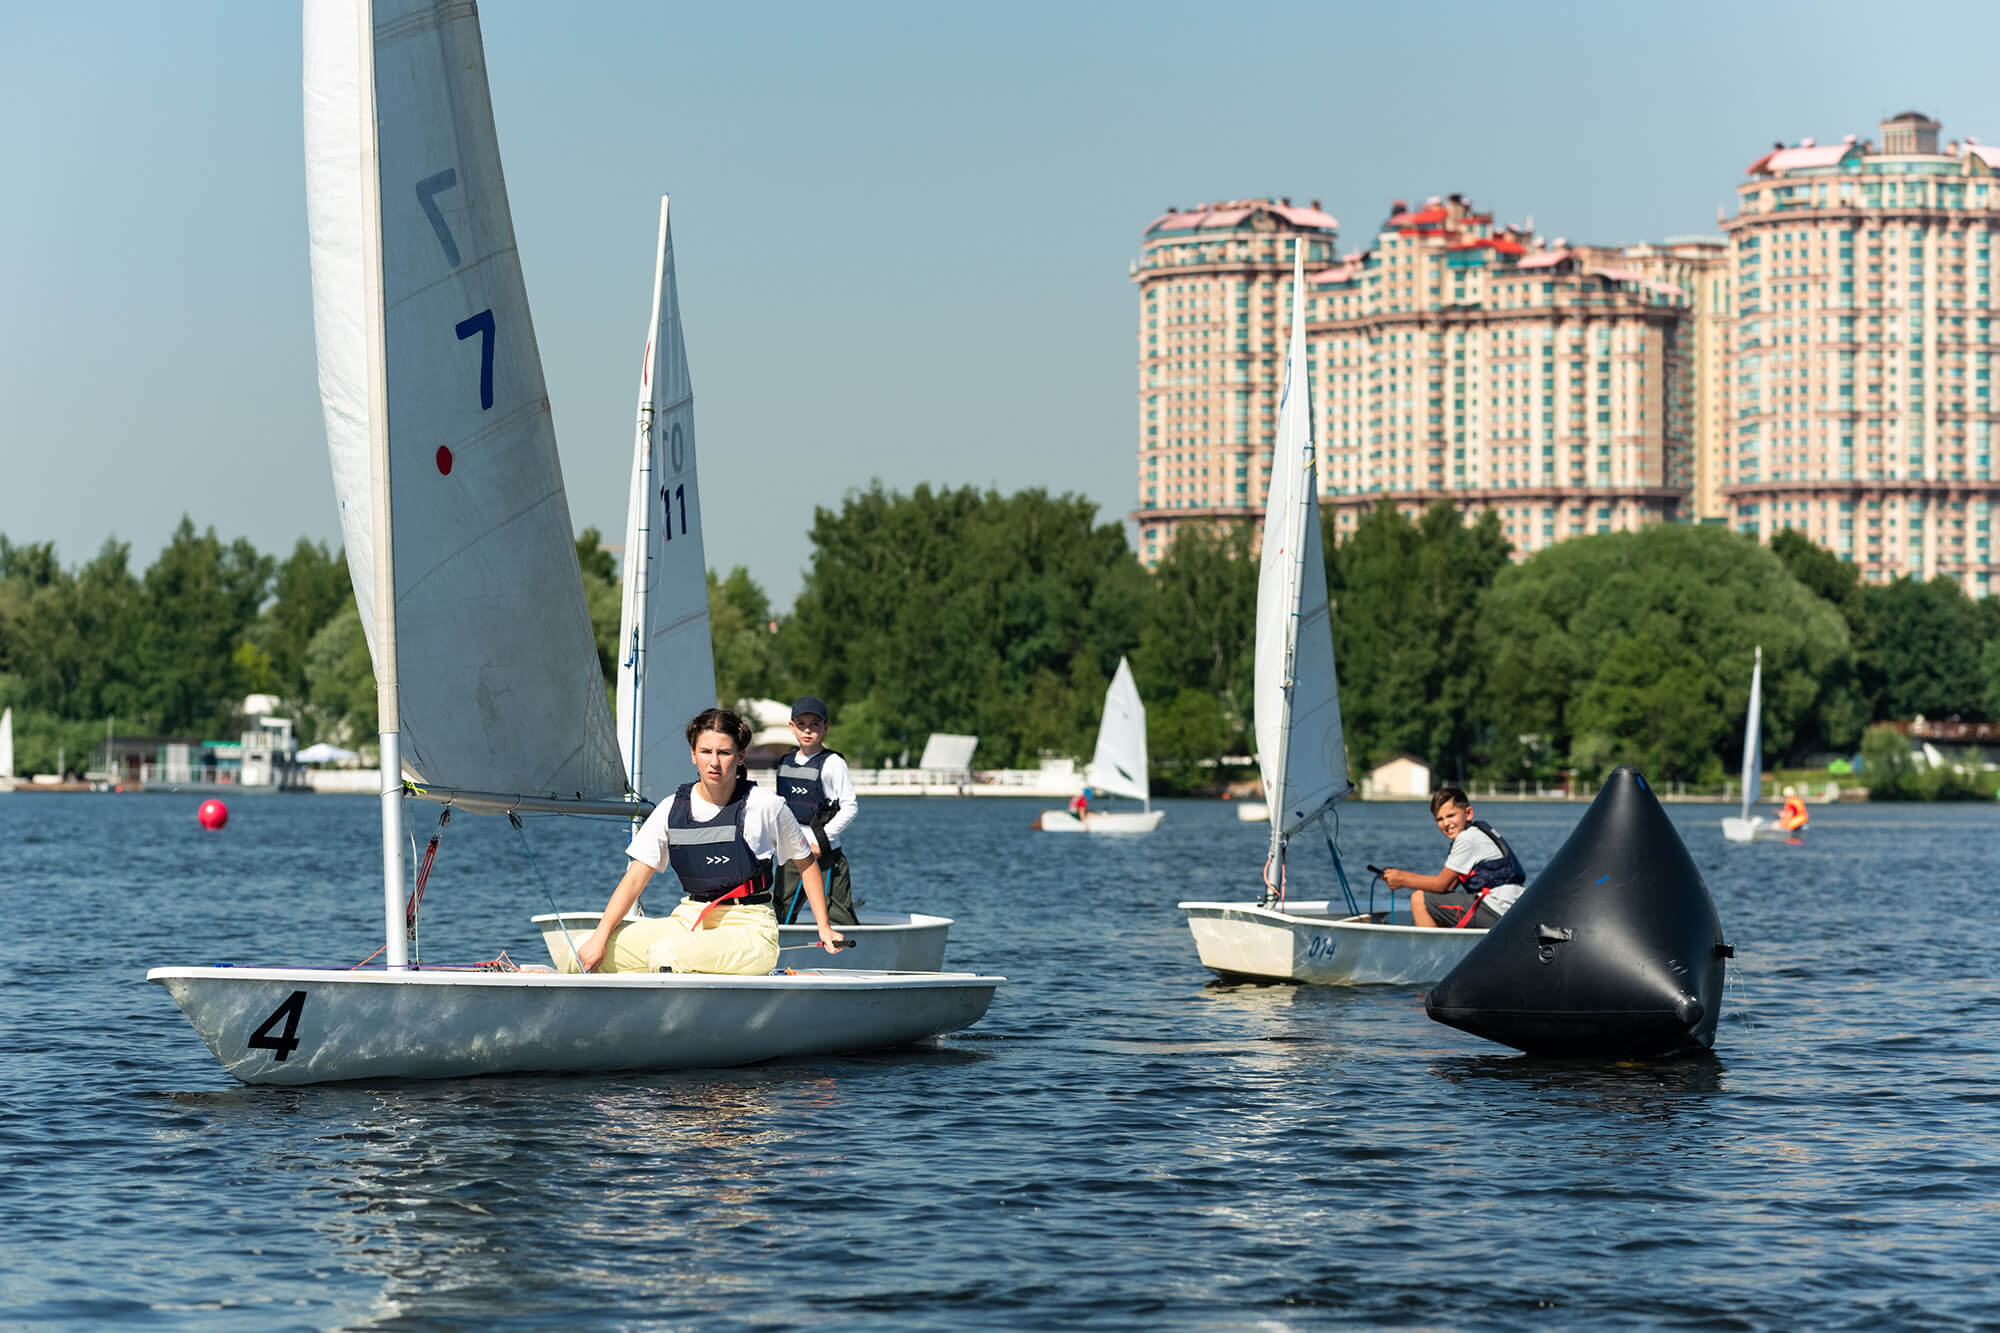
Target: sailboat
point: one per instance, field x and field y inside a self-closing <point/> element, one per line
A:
<point x="459" y="541"/>
<point x="1118" y="768"/>
<point x="1744" y="826"/>
<point x="1302" y="748"/>
<point x="6" y="749"/>
<point x="667" y="671"/>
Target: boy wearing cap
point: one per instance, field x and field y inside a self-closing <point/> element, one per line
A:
<point x="814" y="782"/>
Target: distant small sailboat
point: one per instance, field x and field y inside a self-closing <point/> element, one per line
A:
<point x="1744" y="826"/>
<point x="1118" y="768"/>
<point x="1302" y="747"/>
<point x="6" y="750"/>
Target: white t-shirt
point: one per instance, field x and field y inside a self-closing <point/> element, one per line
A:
<point x="768" y="827"/>
<point x="838" y="784"/>
<point x="1468" y="849"/>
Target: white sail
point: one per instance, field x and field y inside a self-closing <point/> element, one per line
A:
<point x="666" y="671"/>
<point x="6" y="745"/>
<point x="485" y="648"/>
<point x="1753" y="739"/>
<point x="1119" y="766"/>
<point x="1301" y="748"/>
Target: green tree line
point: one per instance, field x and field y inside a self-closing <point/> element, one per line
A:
<point x="1004" y="616"/>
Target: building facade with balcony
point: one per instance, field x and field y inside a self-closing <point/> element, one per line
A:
<point x="1863" y="354"/>
<point x="1699" y="266"/>
<point x="1553" y="385"/>
<point x="1215" y="310"/>
<point x="1549" y="384"/>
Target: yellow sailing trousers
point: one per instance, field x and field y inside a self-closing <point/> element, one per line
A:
<point x="732" y="939"/>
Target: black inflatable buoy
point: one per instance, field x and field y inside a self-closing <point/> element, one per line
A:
<point x="1614" y="951"/>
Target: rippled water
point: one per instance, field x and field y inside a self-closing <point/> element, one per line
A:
<point x="1120" y="1144"/>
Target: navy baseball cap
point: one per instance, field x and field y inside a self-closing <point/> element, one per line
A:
<point x="810" y="704"/>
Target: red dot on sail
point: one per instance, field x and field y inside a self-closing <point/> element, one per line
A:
<point x="444" y="461"/>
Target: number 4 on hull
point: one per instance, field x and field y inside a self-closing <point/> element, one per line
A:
<point x="287" y="1041"/>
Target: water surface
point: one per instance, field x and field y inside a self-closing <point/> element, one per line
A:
<point x="1121" y="1144"/>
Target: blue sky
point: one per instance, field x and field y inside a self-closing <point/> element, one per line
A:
<point x="902" y="229"/>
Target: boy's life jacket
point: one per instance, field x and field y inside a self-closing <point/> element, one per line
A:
<point x="711" y="857"/>
<point x="1494" y="870"/>
<point x="802" y="787"/>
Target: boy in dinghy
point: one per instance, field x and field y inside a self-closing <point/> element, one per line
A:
<point x="720" y="835"/>
<point x="1481" y="877"/>
<point x="815" y="785"/>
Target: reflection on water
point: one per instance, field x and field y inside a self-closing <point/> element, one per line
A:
<point x="1634" y="1085"/>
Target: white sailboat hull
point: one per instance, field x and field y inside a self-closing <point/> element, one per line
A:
<point x="885" y="941"/>
<point x="1305" y="942"/>
<point x="1102" y="821"/>
<point x="1753" y="829"/>
<point x="436" y="1024"/>
<point x="1253" y="812"/>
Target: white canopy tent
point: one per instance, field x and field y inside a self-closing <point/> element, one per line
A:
<point x="322" y="753"/>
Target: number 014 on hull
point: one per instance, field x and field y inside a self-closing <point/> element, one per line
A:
<point x="1305" y="941"/>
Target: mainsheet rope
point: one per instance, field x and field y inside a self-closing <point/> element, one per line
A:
<point x="547" y="892"/>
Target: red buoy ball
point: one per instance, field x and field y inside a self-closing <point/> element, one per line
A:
<point x="213" y="814"/>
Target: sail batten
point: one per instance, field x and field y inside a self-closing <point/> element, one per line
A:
<point x="1301" y="745"/>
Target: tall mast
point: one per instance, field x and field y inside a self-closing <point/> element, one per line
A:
<point x="1287" y="456"/>
<point x="395" y="946"/>
<point x="639" y="544"/>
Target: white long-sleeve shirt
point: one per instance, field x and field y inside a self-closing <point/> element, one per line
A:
<point x="838" y="784"/>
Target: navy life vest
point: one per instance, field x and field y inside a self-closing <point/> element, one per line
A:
<point x="802" y="786"/>
<point x="1494" y="870"/>
<point x="711" y="857"/>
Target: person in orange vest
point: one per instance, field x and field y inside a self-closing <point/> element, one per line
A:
<point x="1792" y="816"/>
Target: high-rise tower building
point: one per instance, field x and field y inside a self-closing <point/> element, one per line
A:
<point x="1699" y="266"/>
<point x="1863" y="357"/>
<point x="1215" y="297"/>
<point x="1549" y="384"/>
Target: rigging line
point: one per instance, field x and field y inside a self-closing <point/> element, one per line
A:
<point x="1332" y="835"/>
<point x="410" y="912"/>
<point x="423" y="877"/>
<point x="1274" y="893"/>
<point x="515" y="820"/>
